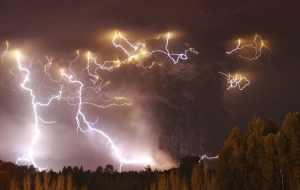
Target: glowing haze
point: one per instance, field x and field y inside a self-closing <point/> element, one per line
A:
<point x="81" y="94"/>
<point x="89" y="91"/>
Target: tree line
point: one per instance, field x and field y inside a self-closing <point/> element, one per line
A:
<point x="266" y="158"/>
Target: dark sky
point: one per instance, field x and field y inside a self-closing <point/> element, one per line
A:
<point x="177" y="109"/>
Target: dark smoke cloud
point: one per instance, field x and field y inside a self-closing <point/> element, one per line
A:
<point x="183" y="101"/>
<point x="177" y="109"/>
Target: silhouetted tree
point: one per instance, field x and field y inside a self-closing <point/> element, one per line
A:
<point x="224" y="178"/>
<point x="231" y="164"/>
<point x="61" y="182"/>
<point x="32" y="169"/>
<point x="70" y="183"/>
<point x="266" y="159"/>
<point x="269" y="161"/>
<point x="14" y="185"/>
<point x="163" y="182"/>
<point x="282" y="160"/>
<point x="75" y="169"/>
<point x="256" y="127"/>
<point x="81" y="169"/>
<point x="109" y="168"/>
<point x="183" y="184"/>
<point x="271" y="128"/>
<point x="153" y="185"/>
<point x="38" y="184"/>
<point x="148" y="168"/>
<point x="175" y="179"/>
<point x="291" y="132"/>
<point x="99" y="169"/>
<point x="47" y="178"/>
<point x="196" y="178"/>
<point x="64" y="170"/>
<point x="187" y="164"/>
<point x="27" y="182"/>
<point x="53" y="184"/>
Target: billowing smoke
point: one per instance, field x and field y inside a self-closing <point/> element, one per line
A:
<point x="181" y="102"/>
<point x="177" y="110"/>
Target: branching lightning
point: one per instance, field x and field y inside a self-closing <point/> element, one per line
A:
<point x="78" y="93"/>
<point x="208" y="158"/>
<point x="85" y="93"/>
<point x="256" y="47"/>
<point x="28" y="157"/>
<point x="235" y="81"/>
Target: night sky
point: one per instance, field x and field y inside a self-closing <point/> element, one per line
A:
<point x="177" y="109"/>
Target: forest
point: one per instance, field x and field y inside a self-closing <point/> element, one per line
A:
<point x="267" y="158"/>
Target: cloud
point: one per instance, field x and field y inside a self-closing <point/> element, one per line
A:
<point x="173" y="113"/>
<point x="177" y="109"/>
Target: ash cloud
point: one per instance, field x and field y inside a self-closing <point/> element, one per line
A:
<point x="177" y="109"/>
<point x="183" y="101"/>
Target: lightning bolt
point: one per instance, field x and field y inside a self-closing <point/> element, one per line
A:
<point x="235" y="81"/>
<point x="255" y="46"/>
<point x="175" y="60"/>
<point x="84" y="93"/>
<point x="28" y="157"/>
<point x="209" y="158"/>
<point x="78" y="93"/>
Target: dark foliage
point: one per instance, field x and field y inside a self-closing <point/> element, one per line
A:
<point x="266" y="158"/>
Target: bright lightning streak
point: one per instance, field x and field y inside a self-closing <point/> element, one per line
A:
<point x="82" y="95"/>
<point x="209" y="158"/>
<point x="84" y="92"/>
<point x="90" y="129"/>
<point x="136" y="53"/>
<point x="182" y="56"/>
<point x="235" y="81"/>
<point x="256" y="47"/>
<point x="29" y="157"/>
<point x="131" y="45"/>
